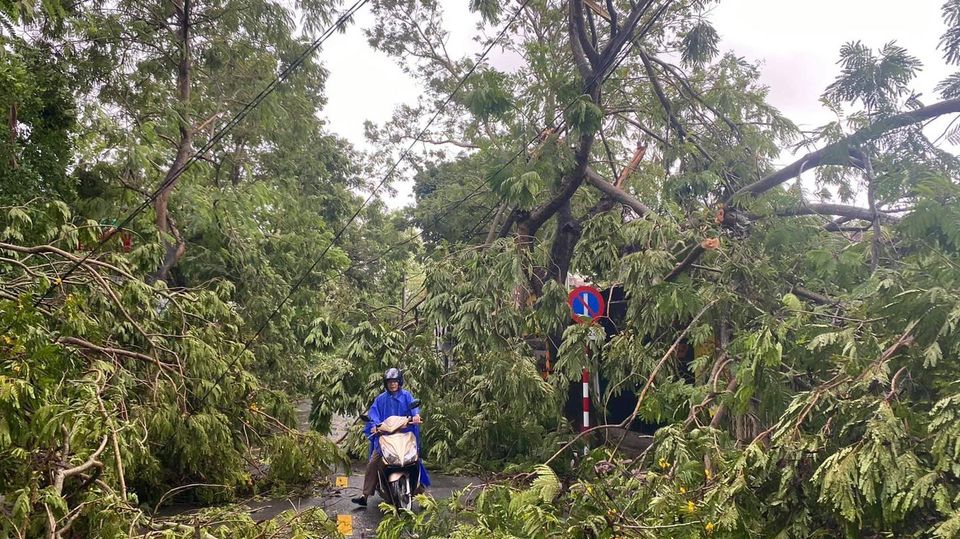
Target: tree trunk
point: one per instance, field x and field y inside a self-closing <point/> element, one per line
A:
<point x="495" y="225"/>
<point x="564" y="243"/>
<point x="875" y="217"/>
<point x="173" y="243"/>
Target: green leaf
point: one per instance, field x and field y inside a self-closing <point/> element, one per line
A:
<point x="792" y="302"/>
<point x="584" y="115"/>
<point x="546" y="484"/>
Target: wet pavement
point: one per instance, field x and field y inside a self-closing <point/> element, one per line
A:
<point x="336" y="503"/>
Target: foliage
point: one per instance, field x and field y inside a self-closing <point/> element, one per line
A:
<point x="700" y="44"/>
<point x="121" y="391"/>
<point x="875" y="80"/>
<point x="295" y="459"/>
<point x="821" y="399"/>
<point x="232" y="521"/>
<point x="101" y="409"/>
<point x="821" y="393"/>
<point x="491" y="408"/>
<point x="40" y="117"/>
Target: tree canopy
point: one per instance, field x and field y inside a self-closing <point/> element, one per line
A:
<point x="624" y="148"/>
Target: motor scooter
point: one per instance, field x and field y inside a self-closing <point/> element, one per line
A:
<point x="399" y="477"/>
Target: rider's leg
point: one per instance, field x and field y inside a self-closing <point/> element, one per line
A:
<point x="371" y="478"/>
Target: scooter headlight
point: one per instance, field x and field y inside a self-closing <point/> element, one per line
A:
<point x="411" y="455"/>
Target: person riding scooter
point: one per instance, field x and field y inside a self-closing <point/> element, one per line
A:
<point x="394" y="401"/>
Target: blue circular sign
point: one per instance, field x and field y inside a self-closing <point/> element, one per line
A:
<point x="587" y="303"/>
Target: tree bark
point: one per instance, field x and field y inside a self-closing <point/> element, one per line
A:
<point x="564" y="244"/>
<point x="568" y="187"/>
<point x="516" y="215"/>
<point x="662" y="97"/>
<point x="726" y="334"/>
<point x="616" y="193"/>
<point x="591" y="69"/>
<point x="575" y="29"/>
<point x="495" y="224"/>
<point x="872" y="202"/>
<point x="175" y="248"/>
<point x="586" y="46"/>
<point x="813" y="296"/>
<point x="841" y="210"/>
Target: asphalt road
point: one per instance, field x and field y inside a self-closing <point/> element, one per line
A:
<point x="336" y="501"/>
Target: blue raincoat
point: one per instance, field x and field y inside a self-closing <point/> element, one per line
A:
<point x="386" y="405"/>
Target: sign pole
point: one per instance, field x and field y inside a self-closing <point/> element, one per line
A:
<point x="587" y="305"/>
<point x="585" y="382"/>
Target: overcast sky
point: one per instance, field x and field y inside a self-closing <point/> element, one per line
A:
<point x="797" y="42"/>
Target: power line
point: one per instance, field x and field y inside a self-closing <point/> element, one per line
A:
<point x="605" y="73"/>
<point x="216" y="138"/>
<point x="370" y="197"/>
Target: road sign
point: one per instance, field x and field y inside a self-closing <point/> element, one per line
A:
<point x="587" y="304"/>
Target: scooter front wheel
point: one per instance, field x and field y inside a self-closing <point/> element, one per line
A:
<point x="400" y="492"/>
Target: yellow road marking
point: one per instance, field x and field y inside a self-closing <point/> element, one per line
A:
<point x="345" y="525"/>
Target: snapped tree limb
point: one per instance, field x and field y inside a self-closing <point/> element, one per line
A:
<point x="621" y="196"/>
<point x="73" y="341"/>
<point x="838" y="152"/>
<point x="839" y="210"/>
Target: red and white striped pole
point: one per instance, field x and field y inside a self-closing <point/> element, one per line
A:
<point x="585" y="380"/>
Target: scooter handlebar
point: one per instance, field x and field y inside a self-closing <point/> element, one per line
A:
<point x="376" y="428"/>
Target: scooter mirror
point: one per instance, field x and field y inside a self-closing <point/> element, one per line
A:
<point x="364" y="417"/>
<point x="414" y="404"/>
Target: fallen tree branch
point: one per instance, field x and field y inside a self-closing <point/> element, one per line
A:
<point x="640" y="126"/>
<point x="840" y="210"/>
<point x="516" y="215"/>
<point x="732" y="216"/>
<point x="685" y="83"/>
<point x="838" y="153"/>
<point x="814" y="296"/>
<point x="38" y="249"/>
<point x="176" y="526"/>
<point x="108" y="419"/>
<point x="90" y="462"/>
<point x="494" y="225"/>
<point x="688" y="261"/>
<point x="905" y="340"/>
<point x="662" y="96"/>
<point x="112" y="351"/>
<point x="618" y="194"/>
<point x="631" y="167"/>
